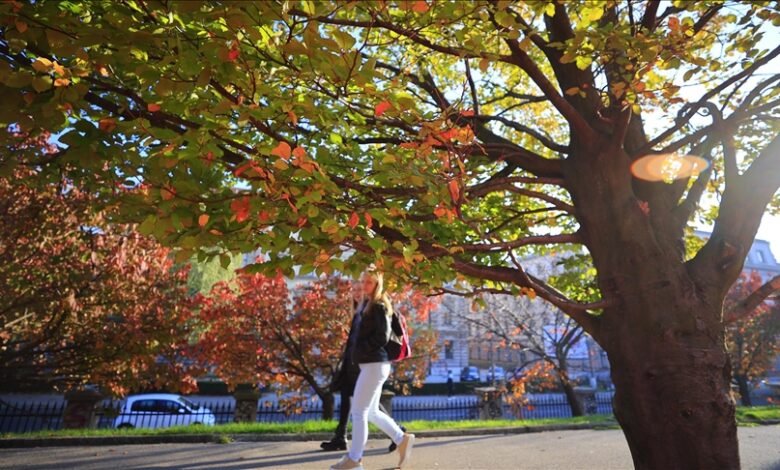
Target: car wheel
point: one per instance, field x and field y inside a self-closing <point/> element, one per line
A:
<point x="125" y="426"/>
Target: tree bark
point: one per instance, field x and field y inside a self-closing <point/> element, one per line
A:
<point x="568" y="389"/>
<point x="744" y="389"/>
<point x="663" y="332"/>
<point x="328" y="405"/>
<point x="571" y="397"/>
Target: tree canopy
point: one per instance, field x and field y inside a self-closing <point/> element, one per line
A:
<point x="442" y="141"/>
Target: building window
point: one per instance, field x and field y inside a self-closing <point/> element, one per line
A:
<point x="760" y="256"/>
<point x="448" y="353"/>
<point x="447" y="317"/>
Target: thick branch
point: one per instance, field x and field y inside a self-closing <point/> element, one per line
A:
<point x="753" y="300"/>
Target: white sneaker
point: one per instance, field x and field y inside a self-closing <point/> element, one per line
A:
<point x="347" y="464"/>
<point x="405" y="449"/>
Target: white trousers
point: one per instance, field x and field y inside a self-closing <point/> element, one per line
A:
<point x="365" y="408"/>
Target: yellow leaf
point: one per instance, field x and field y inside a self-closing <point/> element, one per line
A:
<point x="41" y="64"/>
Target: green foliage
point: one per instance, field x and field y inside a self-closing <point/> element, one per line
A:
<point x="204" y="274"/>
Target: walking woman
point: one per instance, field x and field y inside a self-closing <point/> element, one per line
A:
<point x="368" y="352"/>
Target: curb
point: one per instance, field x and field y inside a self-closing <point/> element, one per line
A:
<point x="217" y="438"/>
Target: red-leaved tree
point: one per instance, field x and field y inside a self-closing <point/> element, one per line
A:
<point x="752" y="337"/>
<point x="83" y="301"/>
<point x="257" y="331"/>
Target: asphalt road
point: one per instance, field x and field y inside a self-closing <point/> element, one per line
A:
<point x="759" y="446"/>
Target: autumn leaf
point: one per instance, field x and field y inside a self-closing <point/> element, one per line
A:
<point x="282" y="151"/>
<point x="153" y="107"/>
<point x="107" y="125"/>
<point x="293" y="118"/>
<point x="381" y="108"/>
<point x="203" y="219"/>
<point x="299" y="152"/>
<point x="454" y="190"/>
<point x="233" y="54"/>
<point x="420" y="7"/>
<point x="354" y="219"/>
<point x="240" y="207"/>
<point x="369" y="220"/>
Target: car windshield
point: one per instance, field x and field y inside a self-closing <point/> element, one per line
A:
<point x="188" y="403"/>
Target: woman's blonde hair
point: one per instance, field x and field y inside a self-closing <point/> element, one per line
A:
<point x="379" y="294"/>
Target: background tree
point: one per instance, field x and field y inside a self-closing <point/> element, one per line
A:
<point x="752" y="337"/>
<point x="442" y="143"/>
<point x="548" y="337"/>
<point x="83" y="301"/>
<point x="256" y="331"/>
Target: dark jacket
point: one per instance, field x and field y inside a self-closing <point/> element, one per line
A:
<point x="348" y="371"/>
<point x="373" y="335"/>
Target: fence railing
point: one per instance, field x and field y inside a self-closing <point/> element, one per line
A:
<point x="31" y="416"/>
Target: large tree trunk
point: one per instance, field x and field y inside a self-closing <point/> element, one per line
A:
<point x="663" y="332"/>
<point x="327" y="406"/>
<point x="744" y="389"/>
<point x="672" y="397"/>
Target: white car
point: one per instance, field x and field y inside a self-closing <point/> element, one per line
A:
<point x="161" y="410"/>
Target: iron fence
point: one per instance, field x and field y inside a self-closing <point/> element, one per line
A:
<point x="31" y="416"/>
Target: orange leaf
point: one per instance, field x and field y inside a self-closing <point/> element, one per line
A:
<point x="454" y="190"/>
<point x="107" y="124"/>
<point x="61" y="82"/>
<point x="369" y="220"/>
<point x="293" y="117"/>
<point x="153" y="107"/>
<point x="203" y="220"/>
<point x="299" y="152"/>
<point x="381" y="108"/>
<point x="440" y="211"/>
<point x="168" y="193"/>
<point x="420" y="7"/>
<point x="409" y="145"/>
<point x="282" y="150"/>
<point x="468" y="112"/>
<point x="354" y="219"/>
<point x="240" y="208"/>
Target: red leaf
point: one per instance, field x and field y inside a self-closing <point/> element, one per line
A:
<point x="468" y="112"/>
<point x="106" y="125"/>
<point x="354" y="219"/>
<point x="369" y="220"/>
<point x="233" y="54"/>
<point x="454" y="190"/>
<point x="299" y="152"/>
<point x="420" y="7"/>
<point x="203" y="220"/>
<point x="381" y="108"/>
<point x="282" y="150"/>
<point x="153" y="107"/>
<point x="264" y="216"/>
<point x="240" y="208"/>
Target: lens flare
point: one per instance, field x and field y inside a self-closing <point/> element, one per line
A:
<point x="668" y="167"/>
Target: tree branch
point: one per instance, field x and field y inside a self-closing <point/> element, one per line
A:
<point x="753" y="300"/>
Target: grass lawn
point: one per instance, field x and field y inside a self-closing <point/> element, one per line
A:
<point x="743" y="415"/>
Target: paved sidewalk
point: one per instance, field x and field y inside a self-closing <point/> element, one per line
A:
<point x="760" y="449"/>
